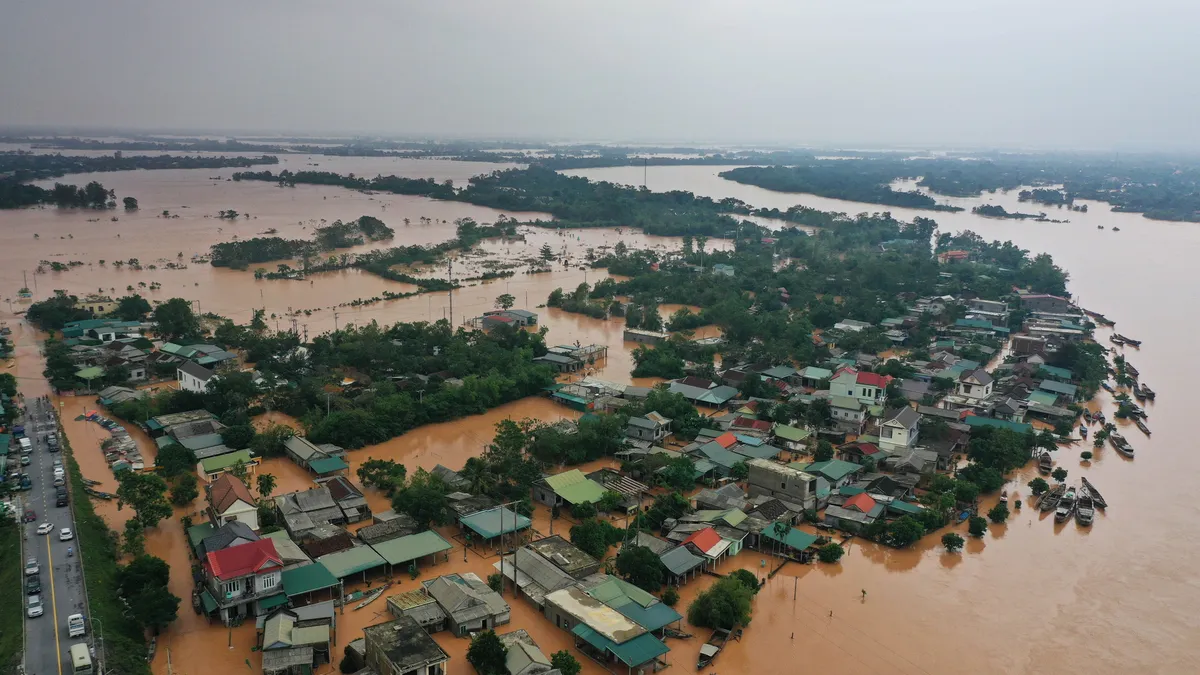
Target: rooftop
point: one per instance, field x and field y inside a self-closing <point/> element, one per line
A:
<point x="574" y="487"/>
<point x="244" y="560"/>
<point x="406" y="644"/>
<point x="568" y="557"/>
<point x="495" y="522"/>
<point x="601" y="618"/>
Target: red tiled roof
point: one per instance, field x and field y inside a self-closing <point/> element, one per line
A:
<point x="750" y="423"/>
<point x="867" y="448"/>
<point x="704" y="539"/>
<point x="244" y="560"/>
<point x="874" y="379"/>
<point x="861" y="501"/>
<point x="725" y="440"/>
<point x="225" y="491"/>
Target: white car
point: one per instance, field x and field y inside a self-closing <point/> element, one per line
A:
<point x="34" y="606"/>
<point x="45" y="528"/>
<point x="32" y="567"/>
<point x="66" y="534"/>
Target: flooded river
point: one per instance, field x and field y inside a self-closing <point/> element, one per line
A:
<point x="1029" y="597"/>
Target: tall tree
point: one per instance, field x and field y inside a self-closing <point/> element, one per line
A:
<point x="505" y="301"/>
<point x="176" y="321"/>
<point x="266" y="484"/>
<point x="145" y="493"/>
<point x="487" y="653"/>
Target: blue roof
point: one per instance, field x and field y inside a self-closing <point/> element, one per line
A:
<point x="635" y="652"/>
<point x="651" y="618"/>
<point x="977" y="421"/>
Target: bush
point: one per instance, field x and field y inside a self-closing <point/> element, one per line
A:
<point x="977" y="526"/>
<point x="671" y="597"/>
<point x="999" y="513"/>
<point x="1086" y="455"/>
<point x="725" y="604"/>
<point x="952" y="541"/>
<point x="496" y="582"/>
<point x="745" y="578"/>
<point x="831" y="552"/>
<point x="1038" y="486"/>
<point x="487" y="654"/>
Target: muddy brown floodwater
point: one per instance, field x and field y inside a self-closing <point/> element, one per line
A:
<point x="1029" y="597"/>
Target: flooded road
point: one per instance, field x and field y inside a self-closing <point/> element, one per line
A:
<point x="1028" y="597"/>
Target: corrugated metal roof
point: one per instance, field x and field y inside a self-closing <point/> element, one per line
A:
<point x="575" y="487"/>
<point x="411" y="547"/>
<point x="328" y="465"/>
<point x="301" y="580"/>
<point x="633" y="653"/>
<point x="495" y="522"/>
<point x="797" y="539"/>
<point x="351" y="561"/>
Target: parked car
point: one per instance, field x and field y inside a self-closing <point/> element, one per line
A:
<point x="26" y="460"/>
<point x="45" y="528"/>
<point x="30" y="516"/>
<point x="32" y="567"/>
<point x="33" y="607"/>
<point x="75" y="626"/>
<point x="33" y="584"/>
<point x="66" y="534"/>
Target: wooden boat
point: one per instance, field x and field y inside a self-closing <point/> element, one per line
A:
<point x="1095" y="494"/>
<point x="1141" y="425"/>
<point x="1120" y="444"/>
<point x="1004" y="496"/>
<point x="1083" y="431"/>
<point x="1045" y="463"/>
<point x="96" y="493"/>
<point x="1116" y="229"/>
<point x="1099" y="227"/>
<point x="1127" y="340"/>
<point x="1137" y="393"/>
<point x="372" y="596"/>
<point x="1066" y="506"/>
<point x="1131" y="371"/>
<point x="1087" y="415"/>
<point x="1148" y="392"/>
<point x="153" y="649"/>
<point x="710" y="649"/>
<point x="1116" y="339"/>
<point x="1085" y="508"/>
<point x="1049" y="501"/>
<point x="1108" y="387"/>
<point x="89" y="481"/>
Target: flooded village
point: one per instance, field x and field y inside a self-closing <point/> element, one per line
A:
<point x="946" y="486"/>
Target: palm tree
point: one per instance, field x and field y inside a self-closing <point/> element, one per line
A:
<point x="781" y="529"/>
<point x="478" y="475"/>
<point x="266" y="484"/>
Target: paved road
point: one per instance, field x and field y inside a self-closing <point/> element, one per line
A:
<point x="46" y="641"/>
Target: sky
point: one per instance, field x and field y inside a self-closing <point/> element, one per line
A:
<point x="1017" y="74"/>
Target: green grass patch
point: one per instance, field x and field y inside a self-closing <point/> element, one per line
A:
<point x="12" y="578"/>
<point x="124" y="639"/>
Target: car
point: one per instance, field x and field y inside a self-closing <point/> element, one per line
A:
<point x="45" y="528"/>
<point x="60" y="482"/>
<point x="57" y="463"/>
<point x="33" y="607"/>
<point x="66" y="534"/>
<point x="32" y="567"/>
<point x="25" y="460"/>
<point x="30" y="516"/>
<point x="33" y="585"/>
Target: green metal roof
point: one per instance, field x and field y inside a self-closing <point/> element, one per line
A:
<point x="641" y="649"/>
<point x="793" y="434"/>
<point x="1057" y="387"/>
<point x="5" y="441"/>
<point x="1055" y="371"/>
<point x="351" y="561"/>
<point x="834" y="469"/>
<point x="197" y="442"/>
<point x="652" y="618"/>
<point x="328" y="465"/>
<point x="222" y="462"/>
<point x="574" y="487"/>
<point x="89" y="373"/>
<point x="301" y="580"/>
<point x="720" y="456"/>
<point x="845" y="403"/>
<point x="615" y="592"/>
<point x="273" y="601"/>
<point x="815" y="373"/>
<point x="403" y="549"/>
<point x="495" y="522"/>
<point x="208" y="601"/>
<point x="904" y="507"/>
<point x="797" y="539"/>
<point x="1042" y="397"/>
<point x="977" y="421"/>
<point x="198" y="533"/>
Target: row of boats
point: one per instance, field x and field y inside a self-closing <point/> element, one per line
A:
<point x="1081" y="502"/>
<point x="1118" y="339"/>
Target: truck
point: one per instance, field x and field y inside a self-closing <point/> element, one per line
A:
<point x="75" y="626"/>
<point x="26" y="446"/>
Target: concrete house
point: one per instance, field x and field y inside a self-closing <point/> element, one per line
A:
<point x="604" y="633"/>
<point x="523" y="657"/>
<point x="193" y="377"/>
<point x="230" y="500"/>
<point x="974" y="384"/>
<point x="900" y="430"/>
<point x="244" y="580"/>
<point x="1045" y="303"/>
<point x="869" y="388"/>
<point x="652" y="427"/>
<point x="854" y="514"/>
<point x="787" y="483"/>
<point x="848" y="413"/>
<point x="402" y="647"/>
<point x="470" y="605"/>
<point x="348" y="498"/>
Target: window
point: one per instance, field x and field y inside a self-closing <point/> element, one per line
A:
<point x="268" y="581"/>
<point x="783" y="486"/>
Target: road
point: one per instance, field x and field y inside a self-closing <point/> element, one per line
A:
<point x="46" y="641"/>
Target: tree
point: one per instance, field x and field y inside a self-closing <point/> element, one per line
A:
<point x="496" y="582"/>
<point x="824" y="451"/>
<point x="240" y="472"/>
<point x="146" y="494"/>
<point x="238" y="436"/>
<point x="904" y="532"/>
<point x="725" y="604"/>
<point x="266" y="484"/>
<point x="384" y="474"/>
<point x="977" y="526"/>
<point x="953" y="541"/>
<point x="594" y="537"/>
<point x="679" y="474"/>
<point x="831" y="552"/>
<point x="1038" y="486"/>
<point x="670" y="597"/>
<point x="565" y="663"/>
<point x="132" y="308"/>
<point x="547" y="253"/>
<point x="134" y="544"/>
<point x="131" y="204"/>
<point x="269" y="442"/>
<point x="965" y="492"/>
<point x="998" y="513"/>
<point x="1086" y="455"/>
<point x="176" y="321"/>
<point x="505" y="301"/>
<point x="641" y="567"/>
<point x="174" y="459"/>
<point x="740" y="471"/>
<point x="184" y="491"/>
<point x="424" y="498"/>
<point x="746" y="578"/>
<point x="487" y="654"/>
<point x="1059" y="474"/>
<point x="154" y="607"/>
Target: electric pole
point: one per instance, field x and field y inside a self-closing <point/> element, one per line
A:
<point x="450" y="272"/>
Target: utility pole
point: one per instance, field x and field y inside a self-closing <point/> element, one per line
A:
<point x="450" y="272"/>
<point x="327" y="404"/>
<point x="305" y="332"/>
<point x="335" y="324"/>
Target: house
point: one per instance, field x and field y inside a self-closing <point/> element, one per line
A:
<point x="914" y="390"/>
<point x="682" y="564"/>
<point x="569" y="487"/>
<point x="899" y="430"/>
<point x="306" y="510"/>
<point x="292" y="645"/>
<point x="787" y="483"/>
<point x="953" y="257"/>
<point x="393" y="528"/>
<point x="469" y="603"/>
<point x="533" y="574"/>
<point x="244" y="580"/>
<point x="651" y="427"/>
<point x="851" y="325"/>
<point x="750" y="426"/>
<point x="230" y="500"/>
<point x="402" y="647"/>
<point x="974" y="384"/>
<point x="419" y="607"/>
<point x="450" y="477"/>
<point x="712" y="397"/>
<point x="848" y="413"/>
<point x="319" y="460"/>
<point x="523" y="656"/>
<point x="348" y="498"/>
<point x="232" y="533"/>
<point x="1038" y="302"/>
<point x="914" y="461"/>
<point x="495" y="522"/>
<point x="789" y="437"/>
<point x="869" y="388"/>
<point x="632" y="492"/>
<point x="988" y="306"/>
<point x="812" y="376"/>
<point x="194" y="377"/>
<point x="566" y="556"/>
<point x="559" y="363"/>
<point x="635" y="604"/>
<point x="789" y="538"/>
<point x="854" y="514"/>
<point x="1067" y="391"/>
<point x="646" y="337"/>
<point x="723" y="269"/>
<point x="507" y="317"/>
<point x="838" y="472"/>
<point x="859" y="452"/>
<point x="602" y="632"/>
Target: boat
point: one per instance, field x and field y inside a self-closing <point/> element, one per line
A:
<point x="1004" y="496"/>
<point x="1131" y="371"/>
<point x="1100" y="318"/>
<point x="1148" y="392"/>
<point x="1099" y="227"/>
<point x="89" y="481"/>
<point x="1137" y="393"/>
<point x="1108" y="387"/>
<point x="153" y="649"/>
<point x="1049" y="501"/>
<point x="1116" y="229"/>
<point x="1083" y="431"/>
<point x="96" y="493"/>
<point x="1096" y="498"/>
<point x="1137" y="421"/>
<point x="710" y="649"/>
<point x="1085" y="508"/>
<point x="372" y="596"/>
<point x="1066" y="506"/>
<point x="1120" y="444"/>
<point x="1116" y="339"/>
<point x="1127" y="340"/>
<point x="1045" y="463"/>
<point x="1087" y="415"/>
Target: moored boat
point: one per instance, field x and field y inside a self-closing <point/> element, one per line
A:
<point x="1133" y="372"/>
<point x="1084" y="508"/>
<point x="1148" y="392"/>
<point x="1045" y="463"/>
<point x="372" y="596"/>
<point x="1083" y="431"/>
<point x="1141" y="425"/>
<point x="1137" y="393"/>
<point x="1116" y="339"/>
<point x="1066" y="506"/>
<point x="1108" y="387"/>
<point x="1096" y="498"/>
<point x="1120" y="444"/>
<point x="1049" y="501"/>
<point x="1125" y="339"/>
<point x="710" y="649"/>
<point x="1004" y="496"/>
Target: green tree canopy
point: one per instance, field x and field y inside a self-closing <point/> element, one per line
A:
<point x="176" y="321"/>
<point x="726" y="604"/>
<point x="487" y="654"/>
<point x="641" y="567"/>
<point x="146" y="494"/>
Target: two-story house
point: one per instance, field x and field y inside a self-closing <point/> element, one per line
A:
<point x="785" y="483"/>
<point x="230" y="500"/>
<point x="243" y="580"/>
<point x="194" y="377"/>
<point x="900" y="430"/>
<point x="652" y="427"/>
<point x="869" y="388"/>
<point x="974" y="384"/>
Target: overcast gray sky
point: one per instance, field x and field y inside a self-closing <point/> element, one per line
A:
<point x="1095" y="74"/>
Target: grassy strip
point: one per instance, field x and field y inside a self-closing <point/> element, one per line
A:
<point x="124" y="639"/>
<point x="12" y="578"/>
